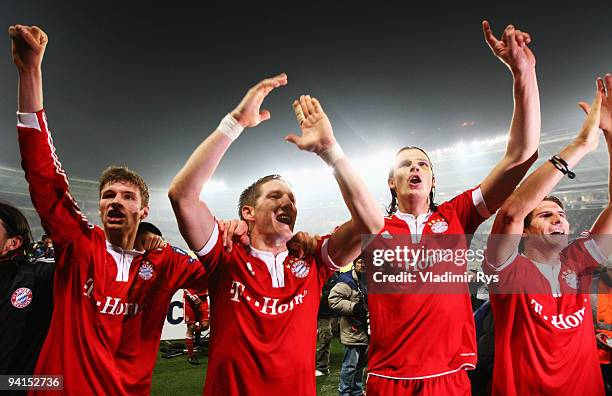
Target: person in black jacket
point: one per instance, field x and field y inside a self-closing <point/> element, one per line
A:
<point x="26" y="295"/>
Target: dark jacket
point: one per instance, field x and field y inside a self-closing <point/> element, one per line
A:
<point x="26" y="307"/>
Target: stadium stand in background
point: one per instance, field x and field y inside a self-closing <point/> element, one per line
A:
<point x="463" y="164"/>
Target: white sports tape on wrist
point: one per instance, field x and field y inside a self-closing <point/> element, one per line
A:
<point x="332" y="154"/>
<point x="230" y="127"/>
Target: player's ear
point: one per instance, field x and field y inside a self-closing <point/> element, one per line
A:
<point x="248" y="213"/>
<point x="14" y="243"/>
<point x="391" y="183"/>
<point x="433" y="182"/>
<point x="144" y="213"/>
<point x="526" y="232"/>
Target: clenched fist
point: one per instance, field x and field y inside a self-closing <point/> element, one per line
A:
<point x="28" y="46"/>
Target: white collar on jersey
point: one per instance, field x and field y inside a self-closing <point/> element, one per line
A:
<point x="551" y="273"/>
<point x="415" y="224"/>
<point x="123" y="260"/>
<point x="420" y="218"/>
<point x="133" y="252"/>
<point x="274" y="264"/>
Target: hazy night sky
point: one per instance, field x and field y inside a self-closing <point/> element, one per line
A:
<point x="141" y="85"/>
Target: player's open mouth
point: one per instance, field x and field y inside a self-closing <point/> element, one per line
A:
<point x="285" y="219"/>
<point x="558" y="232"/>
<point x="114" y="216"/>
<point x="414" y="180"/>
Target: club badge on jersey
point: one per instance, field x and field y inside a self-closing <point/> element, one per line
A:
<point x="146" y="270"/>
<point x="570" y="278"/>
<point x="21" y="297"/>
<point x="438" y="226"/>
<point x="299" y="268"/>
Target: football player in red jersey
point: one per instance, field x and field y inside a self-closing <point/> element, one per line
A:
<point x="110" y="300"/>
<point x="544" y="340"/>
<point x="264" y="299"/>
<point x="197" y="316"/>
<point x="421" y="344"/>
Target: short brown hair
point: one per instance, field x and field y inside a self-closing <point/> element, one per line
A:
<point x="114" y="174"/>
<point x="250" y="194"/>
<point x="551" y="198"/>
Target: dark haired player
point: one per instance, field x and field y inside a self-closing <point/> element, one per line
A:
<point x="264" y="301"/>
<point x="544" y="341"/>
<point x="26" y="295"/>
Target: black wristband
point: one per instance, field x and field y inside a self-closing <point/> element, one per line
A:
<point x="562" y="166"/>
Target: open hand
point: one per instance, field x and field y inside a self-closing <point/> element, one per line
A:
<point x="604" y="85"/>
<point x="248" y="113"/>
<point x="317" y="133"/>
<point x="589" y="134"/>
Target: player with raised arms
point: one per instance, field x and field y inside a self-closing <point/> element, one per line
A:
<point x="264" y="300"/>
<point x="110" y="300"/>
<point x="422" y="344"/>
<point x="544" y="335"/>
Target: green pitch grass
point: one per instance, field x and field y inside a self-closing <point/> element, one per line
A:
<point x="176" y="377"/>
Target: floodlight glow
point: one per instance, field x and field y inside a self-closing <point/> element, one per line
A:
<point x="460" y="148"/>
<point x="212" y="187"/>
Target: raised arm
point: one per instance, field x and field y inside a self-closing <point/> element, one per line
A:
<point x="602" y="229"/>
<point x="195" y="220"/>
<point x="60" y="216"/>
<point x="366" y="218"/>
<point x="524" y="136"/>
<point x="28" y="47"/>
<point x="539" y="184"/>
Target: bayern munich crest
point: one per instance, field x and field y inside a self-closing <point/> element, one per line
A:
<point x="146" y="271"/>
<point x="439" y="227"/>
<point x="300" y="269"/>
<point x="21" y="298"/>
<point x="570" y="278"/>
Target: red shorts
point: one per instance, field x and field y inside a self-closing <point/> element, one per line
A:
<point x="194" y="314"/>
<point x="454" y="384"/>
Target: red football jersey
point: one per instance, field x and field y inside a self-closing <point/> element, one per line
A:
<point x="192" y="312"/>
<point x="544" y="335"/>
<point x="109" y="304"/>
<point x="263" y="321"/>
<point x="416" y="336"/>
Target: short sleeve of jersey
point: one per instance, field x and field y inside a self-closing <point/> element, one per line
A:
<point x="183" y="270"/>
<point x="470" y="208"/>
